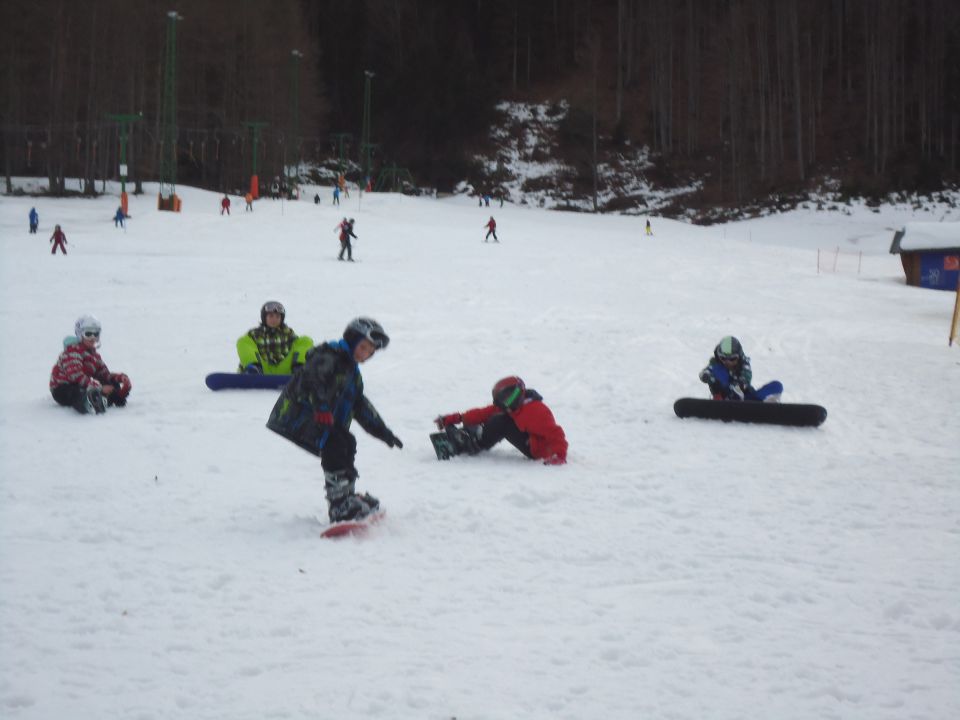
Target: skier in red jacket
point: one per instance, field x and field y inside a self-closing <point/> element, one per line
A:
<point x="491" y="230"/>
<point x="517" y="415"/>
<point x="59" y="240"/>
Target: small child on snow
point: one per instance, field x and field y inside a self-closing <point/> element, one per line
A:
<point x="316" y="407"/>
<point x="272" y="348"/>
<point x="81" y="379"/>
<point x="517" y="415"/>
<point x="728" y="374"/>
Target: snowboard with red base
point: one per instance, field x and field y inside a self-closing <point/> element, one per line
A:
<point x="352" y="528"/>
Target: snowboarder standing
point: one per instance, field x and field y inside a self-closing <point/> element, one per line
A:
<point x="81" y="379"/>
<point x="491" y="230"/>
<point x="729" y="376"/>
<point x="34" y="221"/>
<point x="346" y="232"/>
<point x="517" y="415"/>
<point x="272" y="348"/>
<point x="59" y="240"/>
<point x="225" y="205"/>
<point x="316" y="407"/>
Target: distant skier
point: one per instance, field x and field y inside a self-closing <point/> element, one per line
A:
<point x="316" y="407"/>
<point x="119" y="217"/>
<point x="517" y="415"/>
<point x="272" y="348"/>
<point x="729" y="375"/>
<point x="316" y="199"/>
<point x="59" y="240"/>
<point x="81" y="379"/>
<point x="225" y="205"/>
<point x="491" y="230"/>
<point x="248" y="198"/>
<point x="649" y="230"/>
<point x="34" y="221"/>
<point x="336" y="194"/>
<point x="346" y="232"/>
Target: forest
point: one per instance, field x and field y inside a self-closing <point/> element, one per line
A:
<point x="758" y="98"/>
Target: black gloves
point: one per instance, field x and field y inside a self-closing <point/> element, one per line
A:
<point x="392" y="440"/>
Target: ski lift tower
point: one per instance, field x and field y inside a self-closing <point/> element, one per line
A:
<point x="167" y="199"/>
<point x="365" y="145"/>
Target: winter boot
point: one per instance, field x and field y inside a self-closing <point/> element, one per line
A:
<point x="89" y="401"/>
<point x="345" y="504"/>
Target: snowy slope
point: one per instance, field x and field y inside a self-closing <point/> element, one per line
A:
<point x="163" y="560"/>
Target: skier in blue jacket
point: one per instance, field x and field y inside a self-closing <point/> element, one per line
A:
<point x="34" y="221"/>
<point x="729" y="375"/>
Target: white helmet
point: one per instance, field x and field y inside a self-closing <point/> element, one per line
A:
<point x="87" y="324"/>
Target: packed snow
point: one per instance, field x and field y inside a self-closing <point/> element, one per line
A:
<point x="164" y="560"/>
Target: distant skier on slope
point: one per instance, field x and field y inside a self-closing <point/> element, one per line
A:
<point x="272" y="348"/>
<point x="729" y="375"/>
<point x="317" y="406"/>
<point x="491" y="230"/>
<point x="346" y="232"/>
<point x="517" y="415"/>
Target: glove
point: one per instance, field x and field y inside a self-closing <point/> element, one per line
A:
<point x="707" y="377"/>
<point x="443" y="421"/>
<point x="555" y="459"/>
<point x="122" y="385"/>
<point x="323" y="418"/>
<point x="393" y="441"/>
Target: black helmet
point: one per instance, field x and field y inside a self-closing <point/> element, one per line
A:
<point x="272" y="306"/>
<point x="364" y="328"/>
<point x="728" y="349"/>
<point x="508" y="393"/>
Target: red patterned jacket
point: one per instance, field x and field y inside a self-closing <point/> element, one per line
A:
<point x="532" y="417"/>
<point x="79" y="365"/>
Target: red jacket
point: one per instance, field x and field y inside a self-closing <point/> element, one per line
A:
<point x="79" y="365"/>
<point x="492" y="224"/>
<point x="534" y="418"/>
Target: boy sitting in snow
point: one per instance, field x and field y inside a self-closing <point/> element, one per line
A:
<point x="517" y="415"/>
<point x="728" y="374"/>
<point x="273" y="348"/>
<point x="80" y="378"/>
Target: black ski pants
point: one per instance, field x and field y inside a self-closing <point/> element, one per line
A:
<point x="501" y="427"/>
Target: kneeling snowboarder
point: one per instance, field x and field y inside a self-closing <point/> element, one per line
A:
<point x="729" y="375"/>
<point x="517" y="415"/>
<point x="316" y="407"/>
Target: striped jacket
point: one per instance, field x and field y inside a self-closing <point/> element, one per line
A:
<point x="79" y="365"/>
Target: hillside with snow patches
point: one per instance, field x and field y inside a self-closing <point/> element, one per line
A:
<point x="164" y="561"/>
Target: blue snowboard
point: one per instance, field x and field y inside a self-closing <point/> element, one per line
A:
<point x="242" y="381"/>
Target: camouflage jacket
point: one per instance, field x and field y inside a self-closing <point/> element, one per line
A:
<point x="329" y="382"/>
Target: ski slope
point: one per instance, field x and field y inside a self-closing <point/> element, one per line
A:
<point x="164" y="560"/>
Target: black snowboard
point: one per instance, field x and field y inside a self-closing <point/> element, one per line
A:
<point x="752" y="412"/>
<point x="443" y="446"/>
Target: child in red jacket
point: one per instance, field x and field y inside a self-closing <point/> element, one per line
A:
<point x="517" y="415"/>
<point x="80" y="378"/>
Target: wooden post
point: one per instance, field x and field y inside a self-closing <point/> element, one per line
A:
<point x="956" y="316"/>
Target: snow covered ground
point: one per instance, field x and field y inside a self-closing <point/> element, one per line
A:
<point x="164" y="560"/>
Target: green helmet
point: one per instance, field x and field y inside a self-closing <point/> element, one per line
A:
<point x="728" y="349"/>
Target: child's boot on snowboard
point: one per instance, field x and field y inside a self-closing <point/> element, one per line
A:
<point x="345" y="503"/>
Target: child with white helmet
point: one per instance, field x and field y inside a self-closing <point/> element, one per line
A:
<point x="81" y="379"/>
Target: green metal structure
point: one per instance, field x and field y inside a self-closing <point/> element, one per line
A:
<point x="168" y="113"/>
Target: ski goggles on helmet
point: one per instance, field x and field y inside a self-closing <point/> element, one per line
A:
<point x="274" y="307"/>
